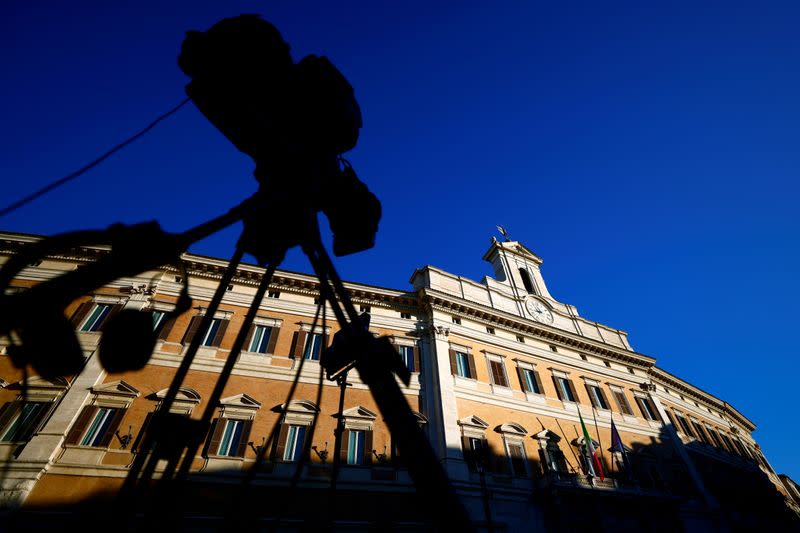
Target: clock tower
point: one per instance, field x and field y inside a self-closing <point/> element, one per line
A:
<point x="517" y="270"/>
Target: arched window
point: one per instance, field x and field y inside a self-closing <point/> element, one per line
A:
<point x="526" y="281"/>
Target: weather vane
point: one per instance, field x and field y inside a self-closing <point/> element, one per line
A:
<point x="504" y="232"/>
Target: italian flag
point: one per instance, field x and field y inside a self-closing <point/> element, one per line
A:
<point x="597" y="467"/>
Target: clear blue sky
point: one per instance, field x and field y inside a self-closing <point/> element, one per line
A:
<point x="649" y="155"/>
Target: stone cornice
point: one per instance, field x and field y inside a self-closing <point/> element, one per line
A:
<point x="437" y="300"/>
<point x="664" y="378"/>
<point x="246" y="274"/>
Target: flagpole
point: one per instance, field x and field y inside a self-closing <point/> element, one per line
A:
<point x="613" y="456"/>
<point x="600" y="444"/>
<point x="586" y="450"/>
<point x="567" y="443"/>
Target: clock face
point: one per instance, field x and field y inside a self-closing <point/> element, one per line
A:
<point x="539" y="311"/>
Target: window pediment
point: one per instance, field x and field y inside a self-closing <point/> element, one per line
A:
<point x="473" y="421"/>
<point x="512" y="428"/>
<point x="299" y="406"/>
<point x="358" y="418"/>
<point x="359" y="412"/>
<point x="240" y="400"/>
<point x="548" y="435"/>
<point x="581" y="441"/>
<point x="185" y="394"/>
<point x="40" y="383"/>
<point x="185" y="400"/>
<point x="116" y="388"/>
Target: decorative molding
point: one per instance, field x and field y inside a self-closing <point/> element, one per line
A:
<point x="474" y="421"/>
<point x="511" y="428"/>
<point x="242" y="400"/>
<point x="117" y="388"/>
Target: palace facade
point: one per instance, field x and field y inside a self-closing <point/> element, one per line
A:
<point x="502" y="374"/>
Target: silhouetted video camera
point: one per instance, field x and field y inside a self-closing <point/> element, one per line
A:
<point x="294" y="120"/>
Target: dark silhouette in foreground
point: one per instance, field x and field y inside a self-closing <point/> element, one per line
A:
<point x="295" y="120"/>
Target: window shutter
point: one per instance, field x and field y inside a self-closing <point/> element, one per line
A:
<point x="501" y="464"/>
<point x="36" y="423"/>
<point x="345" y="445"/>
<point x="112" y="428"/>
<point x="273" y="340"/>
<point x="10" y="410"/>
<point x="472" y="373"/>
<point x="623" y="403"/>
<point x="142" y="432"/>
<point x="111" y="312"/>
<point x="368" y="447"/>
<point x="248" y="338"/>
<point x="558" y="388"/>
<point x="280" y="446"/>
<point x="78" y="428"/>
<point x="522" y="382"/>
<point x="469" y="456"/>
<point x="80" y="314"/>
<point x="655" y="411"/>
<point x="216" y="436"/>
<point x="673" y="421"/>
<point x="246" y="427"/>
<point x="498" y="376"/>
<point x="166" y="326"/>
<point x="223" y="325"/>
<point x="604" y="397"/>
<point x="417" y="361"/>
<point x="572" y="388"/>
<point x="453" y="364"/>
<point x="538" y="383"/>
<point x="642" y="408"/>
<point x="299" y="344"/>
<point x="192" y="330"/>
<point x="591" y="398"/>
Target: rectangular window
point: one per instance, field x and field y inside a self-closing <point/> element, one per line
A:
<point x="260" y="339"/>
<point x="407" y="355"/>
<point x="498" y="373"/>
<point x="727" y="441"/>
<point x="474" y="453"/>
<point x="715" y="438"/>
<point x="622" y="401"/>
<point x="462" y="365"/>
<point x="211" y="333"/>
<point x="231" y="437"/>
<point x="700" y="431"/>
<point x="295" y="439"/>
<point x="313" y="347"/>
<point x="25" y="422"/>
<point x="99" y="427"/>
<point x="158" y="319"/>
<point x="355" y="447"/>
<point x="529" y="383"/>
<point x="684" y="425"/>
<point x="596" y="396"/>
<point x="647" y="408"/>
<point x="565" y="389"/>
<point x="516" y="454"/>
<point x="96" y="317"/>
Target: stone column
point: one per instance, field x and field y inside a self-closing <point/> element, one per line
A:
<point x="440" y="400"/>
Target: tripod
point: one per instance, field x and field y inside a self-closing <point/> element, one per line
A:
<point x="354" y="347"/>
